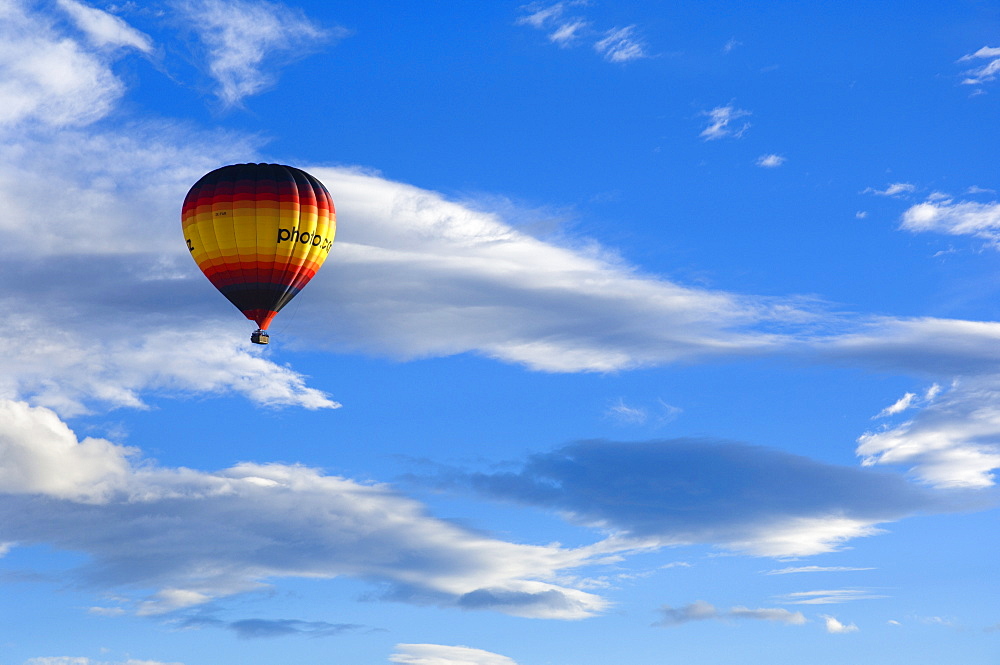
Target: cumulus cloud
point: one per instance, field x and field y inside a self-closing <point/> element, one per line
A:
<point x="722" y="123"/>
<point x="41" y="455"/>
<point x="105" y="30"/>
<point x="439" y="654"/>
<point x="702" y="611"/>
<point x="143" y="527"/>
<point x="683" y="491"/>
<point x="240" y="36"/>
<point x="984" y="72"/>
<point x="836" y="627"/>
<point x="770" y="161"/>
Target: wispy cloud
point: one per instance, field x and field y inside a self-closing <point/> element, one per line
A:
<point x="629" y="414"/>
<point x="621" y="45"/>
<point x="239" y="37"/>
<point x="985" y="72"/>
<point x="702" y="611"/>
<point x="722" y="123"/>
<point x="566" y="27"/>
<point x="439" y="654"/>
<point x="896" y="189"/>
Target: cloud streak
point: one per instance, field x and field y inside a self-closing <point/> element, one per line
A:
<point x="702" y="611"/>
<point x="439" y="654"/>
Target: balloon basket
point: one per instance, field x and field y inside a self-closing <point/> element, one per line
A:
<point x="259" y="337"/>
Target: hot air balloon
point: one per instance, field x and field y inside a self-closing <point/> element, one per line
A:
<point x="259" y="232"/>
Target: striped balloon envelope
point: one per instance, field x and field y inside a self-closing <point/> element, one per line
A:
<point x="259" y="232"/>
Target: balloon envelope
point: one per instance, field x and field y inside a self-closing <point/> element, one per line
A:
<point x="259" y="232"/>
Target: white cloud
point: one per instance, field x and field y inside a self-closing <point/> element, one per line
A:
<point x="983" y="73"/>
<point x="71" y="660"/>
<point x="981" y="220"/>
<point x="265" y="521"/>
<point x="702" y="611"/>
<point x="770" y="161"/>
<point x="568" y="32"/>
<point x="975" y="189"/>
<point x="430" y="276"/>
<point x="413" y="274"/>
<point x="41" y="455"/>
<point x="75" y="369"/>
<point x="721" y="120"/>
<point x="624" y="413"/>
<point x="104" y="29"/>
<point x="902" y="404"/>
<point x="835" y="626"/>
<point x="47" y="76"/>
<point x="804" y="536"/>
<point x="828" y="596"/>
<point x="565" y="29"/>
<point x="106" y="611"/>
<point x="922" y="346"/>
<point x="952" y="442"/>
<point x="814" y="569"/>
<point x="540" y="15"/>
<point x="240" y="36"/>
<point x="621" y="45"/>
<point x="895" y="189"/>
<point x="438" y="654"/>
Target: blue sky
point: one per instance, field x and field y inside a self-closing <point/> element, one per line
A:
<point x="653" y="333"/>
